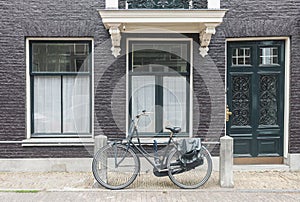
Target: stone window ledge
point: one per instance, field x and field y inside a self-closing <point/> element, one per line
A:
<point x="58" y="142"/>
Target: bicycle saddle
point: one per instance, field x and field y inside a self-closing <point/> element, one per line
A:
<point x="173" y="129"/>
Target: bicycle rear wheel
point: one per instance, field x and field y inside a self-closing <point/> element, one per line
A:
<point x="190" y="175"/>
<point x="115" y="166"/>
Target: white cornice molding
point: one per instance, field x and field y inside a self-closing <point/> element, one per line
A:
<point x="161" y="16"/>
<point x="202" y="21"/>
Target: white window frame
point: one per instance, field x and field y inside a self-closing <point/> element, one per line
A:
<point x="161" y="139"/>
<point x="57" y="141"/>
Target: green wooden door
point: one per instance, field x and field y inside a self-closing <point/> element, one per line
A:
<point x="255" y="96"/>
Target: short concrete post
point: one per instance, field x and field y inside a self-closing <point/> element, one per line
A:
<point x="100" y="141"/>
<point x="226" y="162"/>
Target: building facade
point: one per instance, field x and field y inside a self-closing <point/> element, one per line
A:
<point x="72" y="70"/>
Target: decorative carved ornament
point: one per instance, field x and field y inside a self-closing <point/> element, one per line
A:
<point x="205" y="37"/>
<point x="115" y="35"/>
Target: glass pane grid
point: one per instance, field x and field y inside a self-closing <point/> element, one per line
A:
<point x="269" y="56"/>
<point x="241" y="56"/>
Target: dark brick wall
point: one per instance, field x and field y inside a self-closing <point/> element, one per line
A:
<point x="74" y="18"/>
<point x="33" y="18"/>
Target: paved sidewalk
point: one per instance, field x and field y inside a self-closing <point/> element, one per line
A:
<point x="77" y="186"/>
<point x="243" y="180"/>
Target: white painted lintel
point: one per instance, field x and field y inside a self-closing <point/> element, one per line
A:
<point x="202" y="21"/>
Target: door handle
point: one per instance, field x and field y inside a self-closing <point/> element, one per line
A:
<point x="228" y="113"/>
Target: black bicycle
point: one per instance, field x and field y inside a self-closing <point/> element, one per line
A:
<point x="187" y="163"/>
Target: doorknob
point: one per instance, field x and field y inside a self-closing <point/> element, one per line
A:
<point x="228" y="113"/>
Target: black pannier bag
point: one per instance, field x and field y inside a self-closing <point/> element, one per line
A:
<point x="190" y="148"/>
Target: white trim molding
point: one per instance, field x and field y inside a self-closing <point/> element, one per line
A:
<point x="202" y="21"/>
<point x="38" y="142"/>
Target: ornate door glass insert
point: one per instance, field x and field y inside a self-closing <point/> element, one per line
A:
<point x="268" y="56"/>
<point x="268" y="112"/>
<point x="241" y="100"/>
<point x="241" y="56"/>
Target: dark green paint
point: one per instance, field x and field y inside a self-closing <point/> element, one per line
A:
<point x="256" y="140"/>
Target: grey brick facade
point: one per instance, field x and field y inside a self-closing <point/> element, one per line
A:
<point x="69" y="18"/>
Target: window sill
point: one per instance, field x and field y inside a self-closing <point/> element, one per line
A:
<point x="46" y="142"/>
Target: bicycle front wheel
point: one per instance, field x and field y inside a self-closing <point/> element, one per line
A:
<point x="115" y="166"/>
<point x="190" y="175"/>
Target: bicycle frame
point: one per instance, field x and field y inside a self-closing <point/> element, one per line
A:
<point x="138" y="147"/>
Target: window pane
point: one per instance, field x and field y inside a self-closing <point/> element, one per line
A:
<point x="76" y="104"/>
<point x="235" y="52"/>
<point x="241" y="56"/>
<point x="241" y="61"/>
<point x="175" y="102"/>
<point x="47" y="104"/>
<point x="162" y="57"/>
<point x="234" y="61"/>
<point x="247" y="51"/>
<point x="60" y="57"/>
<point x="269" y="56"/>
<point x="143" y="98"/>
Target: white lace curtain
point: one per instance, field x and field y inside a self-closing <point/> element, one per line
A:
<point x="174" y="101"/>
<point x="61" y="104"/>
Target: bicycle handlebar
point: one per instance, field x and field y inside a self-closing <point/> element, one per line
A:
<point x="144" y="113"/>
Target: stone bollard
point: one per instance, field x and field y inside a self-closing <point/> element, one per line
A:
<point x="226" y="162"/>
<point x="100" y="141"/>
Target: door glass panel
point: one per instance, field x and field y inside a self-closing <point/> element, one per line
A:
<point x="241" y="56"/>
<point x="143" y="98"/>
<point x="269" y="56"/>
<point x="241" y="100"/>
<point x="268" y="94"/>
<point x="174" y="102"/>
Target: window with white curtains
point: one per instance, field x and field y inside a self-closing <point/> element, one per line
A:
<point x="159" y="82"/>
<point x="60" y="77"/>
